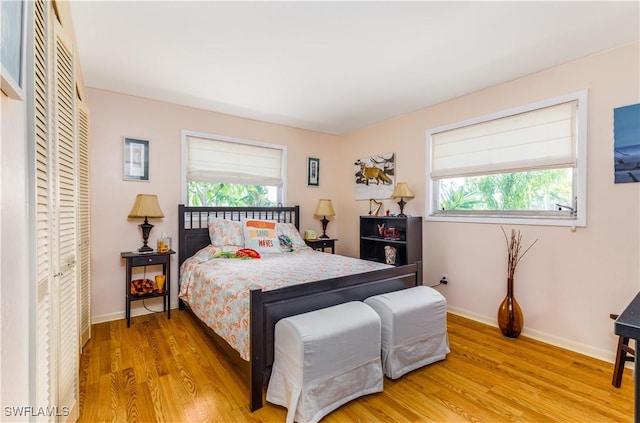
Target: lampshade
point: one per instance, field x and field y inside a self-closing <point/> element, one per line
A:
<point x="325" y="208"/>
<point x="402" y="190"/>
<point x="146" y="205"/>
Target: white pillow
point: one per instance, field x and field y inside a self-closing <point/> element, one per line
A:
<point x="225" y="232"/>
<point x="260" y="235"/>
<point x="290" y="230"/>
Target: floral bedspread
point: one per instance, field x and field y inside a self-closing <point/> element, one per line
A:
<point x="217" y="290"/>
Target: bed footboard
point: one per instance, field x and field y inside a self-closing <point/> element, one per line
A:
<point x="267" y="307"/>
<point x="270" y="306"/>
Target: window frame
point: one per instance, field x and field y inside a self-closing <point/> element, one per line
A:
<point x="184" y="133"/>
<point x="543" y="218"/>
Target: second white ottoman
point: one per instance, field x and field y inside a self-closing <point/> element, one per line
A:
<point x="324" y="359"/>
<point x="414" y="328"/>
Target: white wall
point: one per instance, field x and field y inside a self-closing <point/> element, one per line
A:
<point x="567" y="285"/>
<point x="14" y="266"/>
<point x="570" y="281"/>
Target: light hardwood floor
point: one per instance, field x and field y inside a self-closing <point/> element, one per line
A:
<point x="169" y="371"/>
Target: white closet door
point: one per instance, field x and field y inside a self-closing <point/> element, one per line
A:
<point x="84" y="223"/>
<point x="61" y="215"/>
<point x="45" y="339"/>
<point x="66" y="237"/>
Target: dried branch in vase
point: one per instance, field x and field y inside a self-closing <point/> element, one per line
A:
<point x="514" y="245"/>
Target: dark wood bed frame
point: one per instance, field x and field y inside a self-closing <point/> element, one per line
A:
<point x="267" y="307"/>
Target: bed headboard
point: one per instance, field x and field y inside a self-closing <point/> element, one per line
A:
<point x="193" y="232"/>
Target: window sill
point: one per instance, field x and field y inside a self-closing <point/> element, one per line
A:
<point x="546" y="220"/>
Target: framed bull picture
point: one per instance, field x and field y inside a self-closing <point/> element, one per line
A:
<point x="374" y="176"/>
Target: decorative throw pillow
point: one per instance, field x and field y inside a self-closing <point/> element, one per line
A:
<point x="225" y="232"/>
<point x="260" y="235"/>
<point x="290" y="231"/>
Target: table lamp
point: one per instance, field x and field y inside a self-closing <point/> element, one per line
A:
<point x="402" y="190"/>
<point x="146" y="206"/>
<point x="324" y="209"/>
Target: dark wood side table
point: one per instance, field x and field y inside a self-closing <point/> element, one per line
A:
<point x="628" y="324"/>
<point x="322" y="243"/>
<point x="135" y="259"/>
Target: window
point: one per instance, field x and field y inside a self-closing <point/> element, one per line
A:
<point x="223" y="171"/>
<point x="526" y="165"/>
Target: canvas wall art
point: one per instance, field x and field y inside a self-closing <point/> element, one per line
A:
<point x="626" y="143"/>
<point x="374" y="176"/>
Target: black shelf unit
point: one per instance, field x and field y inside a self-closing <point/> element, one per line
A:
<point x="408" y="246"/>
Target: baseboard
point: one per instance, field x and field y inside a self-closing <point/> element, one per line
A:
<point x="138" y="311"/>
<point x="588" y="350"/>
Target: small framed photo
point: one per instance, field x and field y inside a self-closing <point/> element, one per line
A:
<point x="136" y="160"/>
<point x="313" y="172"/>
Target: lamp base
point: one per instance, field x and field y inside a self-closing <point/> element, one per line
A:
<point x="325" y="222"/>
<point x="401" y="203"/>
<point x="146" y="230"/>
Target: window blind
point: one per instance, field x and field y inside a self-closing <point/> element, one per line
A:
<point x="233" y="162"/>
<point x="538" y="139"/>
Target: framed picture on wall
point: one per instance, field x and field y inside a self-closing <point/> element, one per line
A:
<point x="313" y="172"/>
<point x="626" y="143"/>
<point x="375" y="176"/>
<point x="12" y="59"/>
<point x="136" y="160"/>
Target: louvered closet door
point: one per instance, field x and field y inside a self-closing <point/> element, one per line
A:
<point x="46" y="338"/>
<point x="66" y="237"/>
<point x="84" y="252"/>
<point x="60" y="145"/>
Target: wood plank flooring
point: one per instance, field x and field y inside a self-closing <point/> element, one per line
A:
<point x="163" y="370"/>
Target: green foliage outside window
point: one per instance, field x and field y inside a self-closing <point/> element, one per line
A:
<point x="221" y="194"/>
<point x="535" y="190"/>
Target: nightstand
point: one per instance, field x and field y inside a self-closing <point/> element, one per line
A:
<point x="135" y="259"/>
<point x="322" y="243"/>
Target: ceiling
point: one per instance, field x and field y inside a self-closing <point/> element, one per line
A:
<point x="333" y="66"/>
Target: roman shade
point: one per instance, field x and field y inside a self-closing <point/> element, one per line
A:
<point x="233" y="162"/>
<point x="539" y="139"/>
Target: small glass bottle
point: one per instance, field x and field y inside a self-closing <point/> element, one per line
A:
<point x="164" y="243"/>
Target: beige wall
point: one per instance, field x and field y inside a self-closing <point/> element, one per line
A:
<point x="567" y="285"/>
<point x="14" y="253"/>
<point x="115" y="116"/>
<point x="570" y="281"/>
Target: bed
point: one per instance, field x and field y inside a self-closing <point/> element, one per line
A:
<point x="266" y="307"/>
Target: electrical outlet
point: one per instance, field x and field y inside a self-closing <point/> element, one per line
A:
<point x="443" y="279"/>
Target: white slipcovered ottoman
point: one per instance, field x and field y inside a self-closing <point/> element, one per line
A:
<point x="324" y="359"/>
<point x="414" y="328"/>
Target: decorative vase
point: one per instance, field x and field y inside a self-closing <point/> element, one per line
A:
<point x="510" y="319"/>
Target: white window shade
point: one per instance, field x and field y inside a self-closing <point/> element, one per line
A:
<point x="538" y="139"/>
<point x="232" y="162"/>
